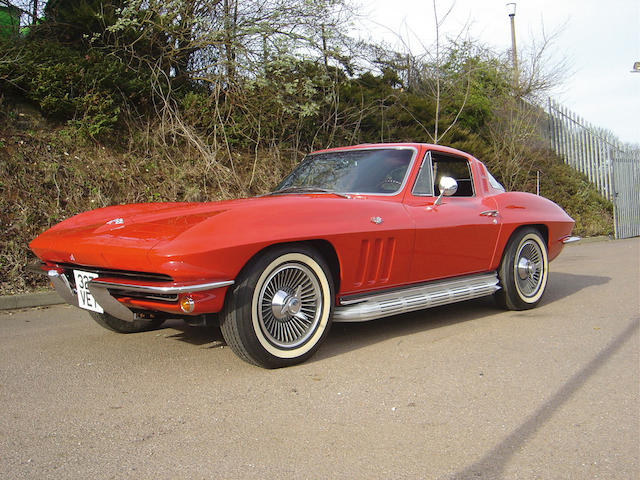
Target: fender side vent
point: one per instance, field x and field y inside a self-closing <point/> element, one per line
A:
<point x="375" y="262"/>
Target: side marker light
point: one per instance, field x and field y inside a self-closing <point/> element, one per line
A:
<point x="187" y="304"/>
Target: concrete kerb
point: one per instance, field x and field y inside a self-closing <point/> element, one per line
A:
<point x="29" y="300"/>
<point x="45" y="299"/>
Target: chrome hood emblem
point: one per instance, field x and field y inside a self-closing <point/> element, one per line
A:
<point x="116" y="221"/>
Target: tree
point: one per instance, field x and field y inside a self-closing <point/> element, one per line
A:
<point x="31" y="10"/>
<point x="516" y="129"/>
<point x="228" y="40"/>
<point x="441" y="71"/>
<point x="73" y="21"/>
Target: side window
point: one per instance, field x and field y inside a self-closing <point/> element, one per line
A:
<point x="424" y="183"/>
<point x="494" y="183"/>
<point x="455" y="167"/>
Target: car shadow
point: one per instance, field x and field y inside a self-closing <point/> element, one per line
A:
<point x="345" y="337"/>
<point x="195" y="334"/>
<point x="562" y="285"/>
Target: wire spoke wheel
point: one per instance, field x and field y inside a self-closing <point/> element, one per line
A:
<point x="279" y="311"/>
<point x="289" y="305"/>
<point x="529" y="266"/>
<point x="523" y="271"/>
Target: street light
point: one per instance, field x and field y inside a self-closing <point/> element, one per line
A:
<point x="511" y="8"/>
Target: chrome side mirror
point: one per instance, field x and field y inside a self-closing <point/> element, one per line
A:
<point x="448" y="186"/>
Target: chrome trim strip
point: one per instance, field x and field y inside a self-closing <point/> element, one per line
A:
<point x="414" y="298"/>
<point x="166" y="288"/>
<point x="566" y="240"/>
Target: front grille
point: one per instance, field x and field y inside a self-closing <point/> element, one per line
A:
<point x="109" y="272"/>
<point x="162" y="297"/>
<point x="124" y="274"/>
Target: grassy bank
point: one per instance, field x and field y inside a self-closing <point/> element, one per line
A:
<point x="50" y="172"/>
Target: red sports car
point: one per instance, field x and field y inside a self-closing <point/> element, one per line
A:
<point x="352" y="234"/>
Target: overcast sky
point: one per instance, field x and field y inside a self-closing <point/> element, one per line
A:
<point x="599" y="38"/>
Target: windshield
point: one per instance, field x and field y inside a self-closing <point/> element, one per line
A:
<point x="377" y="171"/>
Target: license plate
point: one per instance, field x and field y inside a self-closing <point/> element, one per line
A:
<point x="85" y="299"/>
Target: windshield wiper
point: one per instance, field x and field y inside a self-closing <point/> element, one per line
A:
<point x="308" y="190"/>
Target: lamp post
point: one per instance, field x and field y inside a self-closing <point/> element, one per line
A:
<point x="511" y="8"/>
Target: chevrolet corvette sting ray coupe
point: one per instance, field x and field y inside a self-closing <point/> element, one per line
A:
<point x="352" y="234"/>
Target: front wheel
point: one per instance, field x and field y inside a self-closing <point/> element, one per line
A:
<point x="280" y="309"/>
<point x="523" y="271"/>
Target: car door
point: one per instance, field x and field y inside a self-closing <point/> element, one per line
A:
<point x="458" y="236"/>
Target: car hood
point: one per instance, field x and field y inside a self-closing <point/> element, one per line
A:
<point x="149" y="237"/>
<point x="106" y="235"/>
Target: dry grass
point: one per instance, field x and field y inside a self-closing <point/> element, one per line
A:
<point x="48" y="174"/>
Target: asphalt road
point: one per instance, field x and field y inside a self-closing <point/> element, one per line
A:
<point x="459" y="392"/>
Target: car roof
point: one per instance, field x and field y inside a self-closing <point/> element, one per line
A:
<point x="427" y="146"/>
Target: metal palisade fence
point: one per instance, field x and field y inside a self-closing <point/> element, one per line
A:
<point x="614" y="168"/>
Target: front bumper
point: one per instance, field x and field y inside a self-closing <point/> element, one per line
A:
<point x="124" y="298"/>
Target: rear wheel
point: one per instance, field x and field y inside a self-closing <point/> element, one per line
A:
<point x="122" y="326"/>
<point x="523" y="271"/>
<point x="280" y="308"/>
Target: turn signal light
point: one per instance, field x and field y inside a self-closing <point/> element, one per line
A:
<point x="187" y="304"/>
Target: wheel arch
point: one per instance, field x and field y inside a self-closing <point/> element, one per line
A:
<point x="542" y="229"/>
<point x="322" y="246"/>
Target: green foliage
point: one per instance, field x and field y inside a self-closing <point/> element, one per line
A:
<point x="578" y="196"/>
<point x="9" y="21"/>
<point x="78" y="20"/>
<point x="100" y="116"/>
<point x="89" y="89"/>
<point x="488" y="81"/>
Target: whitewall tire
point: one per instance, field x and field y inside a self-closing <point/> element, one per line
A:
<point x="524" y="270"/>
<point x="280" y="309"/>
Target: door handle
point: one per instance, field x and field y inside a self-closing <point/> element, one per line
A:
<point x="489" y="213"/>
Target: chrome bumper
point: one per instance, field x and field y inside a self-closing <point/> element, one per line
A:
<point x="63" y="287"/>
<point x="567" y="240"/>
<point x="102" y="288"/>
